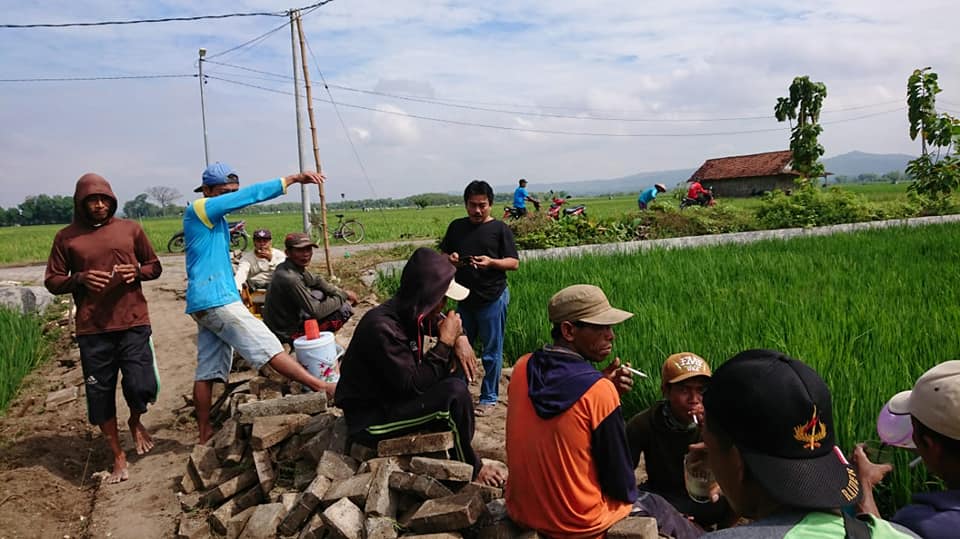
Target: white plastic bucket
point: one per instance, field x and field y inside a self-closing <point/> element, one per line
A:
<point x="319" y="356"/>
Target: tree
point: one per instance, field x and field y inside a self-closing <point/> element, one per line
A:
<point x="46" y="209"/>
<point x="934" y="173"/>
<point x="163" y="195"/>
<point x="139" y="207"/>
<point x="804" y="104"/>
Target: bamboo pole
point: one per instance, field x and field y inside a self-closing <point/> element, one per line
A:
<point x="316" y="149"/>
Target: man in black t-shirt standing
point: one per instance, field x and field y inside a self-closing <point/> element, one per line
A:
<point x="483" y="251"/>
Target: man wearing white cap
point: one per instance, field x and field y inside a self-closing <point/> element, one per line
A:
<point x="934" y="409"/>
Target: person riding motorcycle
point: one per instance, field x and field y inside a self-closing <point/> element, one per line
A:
<point x="699" y="193"/>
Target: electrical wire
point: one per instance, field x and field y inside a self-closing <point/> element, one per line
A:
<point x="117" y="77"/>
<point x="163" y="19"/>
<point x="250" y="44"/>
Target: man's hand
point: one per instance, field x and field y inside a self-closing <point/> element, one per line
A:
<point x="466" y="356"/>
<point x="128" y="272"/>
<point x="352" y="297"/>
<point x="94" y="280"/>
<point x="454" y="258"/>
<point x="870" y="474"/>
<point x="621" y="377"/>
<point x="481" y="261"/>
<point x="450" y="328"/>
<point x="305" y="177"/>
<point x="696" y="453"/>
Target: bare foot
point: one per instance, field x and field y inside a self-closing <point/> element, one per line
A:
<point x="141" y="437"/>
<point x="206" y="432"/>
<point x="120" y="472"/>
<point x="492" y="474"/>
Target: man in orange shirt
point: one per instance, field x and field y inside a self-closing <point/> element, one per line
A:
<point x="570" y="469"/>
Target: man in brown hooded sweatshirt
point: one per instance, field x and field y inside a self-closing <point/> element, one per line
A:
<point x="101" y="260"/>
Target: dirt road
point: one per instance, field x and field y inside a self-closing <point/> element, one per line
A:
<point x="48" y="456"/>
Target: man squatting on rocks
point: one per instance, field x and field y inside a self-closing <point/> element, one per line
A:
<point x="570" y="468"/>
<point x="296" y="294"/>
<point x="393" y="381"/>
<point x="483" y="251"/>
<point x="223" y="323"/>
<point x="664" y="432"/>
<point x="934" y="409"/>
<point x="101" y="260"/>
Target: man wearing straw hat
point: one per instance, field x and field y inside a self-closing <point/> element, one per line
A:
<point x="934" y="409"/>
<point x="223" y="323"/>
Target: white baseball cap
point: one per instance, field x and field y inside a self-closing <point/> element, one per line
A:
<point x="934" y="399"/>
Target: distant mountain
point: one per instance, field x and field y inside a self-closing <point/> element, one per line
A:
<point x="848" y="164"/>
<point x="856" y="163"/>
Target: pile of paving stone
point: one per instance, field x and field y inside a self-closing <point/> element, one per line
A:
<point x="280" y="466"/>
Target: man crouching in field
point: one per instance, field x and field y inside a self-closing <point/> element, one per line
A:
<point x="101" y="260"/>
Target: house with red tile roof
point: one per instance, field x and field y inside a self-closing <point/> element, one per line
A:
<point x="747" y="175"/>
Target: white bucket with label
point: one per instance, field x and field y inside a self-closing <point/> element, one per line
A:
<point x="319" y="356"/>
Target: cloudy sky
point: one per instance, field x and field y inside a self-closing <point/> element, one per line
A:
<point x="431" y="94"/>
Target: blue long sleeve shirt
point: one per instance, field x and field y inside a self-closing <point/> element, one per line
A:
<point x="209" y="270"/>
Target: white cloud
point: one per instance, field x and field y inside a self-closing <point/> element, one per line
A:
<point x="702" y="60"/>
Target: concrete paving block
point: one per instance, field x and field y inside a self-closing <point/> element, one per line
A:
<point x="263" y="522"/>
<point x="237" y="522"/>
<point x="420" y="486"/>
<point x="450" y="513"/>
<point x="345" y="519"/>
<point x="220" y="476"/>
<point x="634" y="528"/>
<point x="303" y="473"/>
<point x="336" y="466"/>
<point x="382" y="501"/>
<point x="415" y="444"/>
<point x="339" y="438"/>
<point x="189" y="502"/>
<point x="319" y="423"/>
<point x="229" y="488"/>
<point x="268" y="431"/>
<point x="442" y="469"/>
<point x="289" y="449"/>
<point x="63" y="396"/>
<point x="263" y="466"/>
<point x="192" y="528"/>
<point x="308" y="403"/>
<point x="361" y="452"/>
<point x="314" y="528"/>
<point x="316" y="444"/>
<point x="355" y="488"/>
<point x="226" y="436"/>
<point x="221" y="516"/>
<point x="204" y="460"/>
<point x="380" y="528"/>
<point x="487" y="492"/>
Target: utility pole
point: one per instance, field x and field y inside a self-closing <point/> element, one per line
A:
<point x="316" y="149"/>
<point x="304" y="194"/>
<point x="203" y="108"/>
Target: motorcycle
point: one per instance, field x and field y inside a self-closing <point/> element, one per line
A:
<point x="709" y="201"/>
<point x="557" y="203"/>
<point x="509" y="212"/>
<point x="238" y="238"/>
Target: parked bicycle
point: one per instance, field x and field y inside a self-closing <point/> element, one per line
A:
<point x="238" y="238"/>
<point x="350" y="230"/>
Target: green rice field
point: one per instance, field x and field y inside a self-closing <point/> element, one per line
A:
<point x="22" y="347"/>
<point x="870" y="311"/>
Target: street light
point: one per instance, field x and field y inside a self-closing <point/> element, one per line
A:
<point x="203" y="112"/>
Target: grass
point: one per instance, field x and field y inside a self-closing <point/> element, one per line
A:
<point x="870" y="311"/>
<point x="22" y="347"/>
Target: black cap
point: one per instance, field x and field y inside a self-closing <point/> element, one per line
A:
<point x="779" y="414"/>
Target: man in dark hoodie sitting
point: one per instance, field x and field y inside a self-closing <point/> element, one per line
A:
<point x="571" y="474"/>
<point x="393" y="382"/>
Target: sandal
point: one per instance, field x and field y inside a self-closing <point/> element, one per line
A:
<point x="481" y="410"/>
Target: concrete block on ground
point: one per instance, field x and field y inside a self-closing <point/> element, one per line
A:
<point x="303" y="473"/>
<point x="229" y="488"/>
<point x="237" y="399"/>
<point x="237" y="522"/>
<point x="204" y="460"/>
<point x="237" y="378"/>
<point x="263" y="522"/>
<point x="270" y="393"/>
<point x="308" y="403"/>
<point x="635" y="528"/>
<point x="225" y="437"/>
<point x="504" y="529"/>
<point x="355" y="488"/>
<point x="314" y="529"/>
<point x="306" y="503"/>
<point x="220" y="476"/>
<point x="190" y="482"/>
<point x="288" y="500"/>
<point x="382" y="501"/>
<point x="189" y="502"/>
<point x="415" y="444"/>
<point x="221" y="516"/>
<point x="361" y="452"/>
<point x="26" y="299"/>
<point x="380" y="528"/>
<point x="442" y="469"/>
<point x="263" y="466"/>
<point x="336" y="465"/>
<point x="338" y="439"/>
<point x="63" y="396"/>
<point x="192" y="528"/>
<point x="319" y="423"/>
<point x="268" y="431"/>
<point x="345" y="519"/>
<point x="398" y="463"/>
<point x="450" y="513"/>
<point x="487" y="492"/>
<point x="289" y="449"/>
<point x="421" y="486"/>
<point x="316" y="444"/>
<point x="496" y="511"/>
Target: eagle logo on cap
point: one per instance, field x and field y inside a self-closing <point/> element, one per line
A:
<point x="811" y="432"/>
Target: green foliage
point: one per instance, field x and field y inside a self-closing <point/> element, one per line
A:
<point x="804" y="104"/>
<point x="22" y="347"/>
<point x="935" y="174"/>
<point x="139" y="208"/>
<point x="810" y="206"/>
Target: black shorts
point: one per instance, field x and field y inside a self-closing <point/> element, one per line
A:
<point x="103" y="355"/>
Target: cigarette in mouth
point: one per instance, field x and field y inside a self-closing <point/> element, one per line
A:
<point x="635" y="371"/>
<point x="695" y="420"/>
